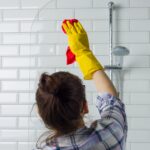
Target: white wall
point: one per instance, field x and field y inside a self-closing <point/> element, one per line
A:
<point x="132" y="29"/>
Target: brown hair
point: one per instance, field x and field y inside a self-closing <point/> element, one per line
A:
<point x="59" y="98"/>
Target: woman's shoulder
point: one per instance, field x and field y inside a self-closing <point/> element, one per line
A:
<point x="45" y="141"/>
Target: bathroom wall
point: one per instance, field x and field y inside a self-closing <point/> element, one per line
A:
<point x="23" y="55"/>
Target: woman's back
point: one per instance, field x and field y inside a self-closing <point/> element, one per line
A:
<point x="109" y="132"/>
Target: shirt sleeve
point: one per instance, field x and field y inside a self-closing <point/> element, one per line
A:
<point x="113" y="108"/>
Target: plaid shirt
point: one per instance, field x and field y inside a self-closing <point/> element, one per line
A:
<point x="107" y="133"/>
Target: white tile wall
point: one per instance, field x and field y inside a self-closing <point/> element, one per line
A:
<point x="36" y="4"/>
<point x="74" y="4"/>
<point x="8" y="50"/>
<point x="23" y="56"/>
<point x="55" y="14"/>
<point x="123" y="3"/>
<point x="19" y="14"/>
<point x="7" y="145"/>
<point x="7" y="4"/>
<point x="143" y="3"/>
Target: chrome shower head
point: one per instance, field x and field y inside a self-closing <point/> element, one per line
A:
<point x="120" y="51"/>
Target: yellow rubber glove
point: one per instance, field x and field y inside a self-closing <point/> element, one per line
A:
<point x="79" y="44"/>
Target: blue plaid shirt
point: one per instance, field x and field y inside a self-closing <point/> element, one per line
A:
<point x="107" y="133"/>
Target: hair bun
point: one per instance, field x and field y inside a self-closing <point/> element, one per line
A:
<point x="43" y="80"/>
<point x="48" y="84"/>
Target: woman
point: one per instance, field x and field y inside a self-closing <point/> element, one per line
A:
<point x="62" y="103"/>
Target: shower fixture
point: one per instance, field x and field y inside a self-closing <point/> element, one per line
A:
<point x="118" y="51"/>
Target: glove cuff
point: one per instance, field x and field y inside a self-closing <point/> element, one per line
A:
<point x="88" y="64"/>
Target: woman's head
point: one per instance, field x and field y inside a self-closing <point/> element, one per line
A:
<point x="60" y="99"/>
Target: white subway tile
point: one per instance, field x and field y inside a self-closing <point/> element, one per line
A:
<point x="27" y="74"/>
<point x="34" y="73"/>
<point x="87" y="24"/>
<point x="54" y="14"/>
<point x="101" y="49"/>
<point x="118" y="25"/>
<point x="43" y="49"/>
<point x="131" y="37"/>
<point x="139" y="124"/>
<point x="138" y="111"/>
<point x="126" y="98"/>
<point x="19" y="38"/>
<point x="0" y="61"/>
<point x="138" y="136"/>
<point x="54" y="61"/>
<point x="26" y="145"/>
<point x="8" y="98"/>
<point x="37" y="3"/>
<point x="74" y="4"/>
<point x="23" y="14"/>
<point x="7" y="145"/>
<point x="18" y="62"/>
<point x="89" y="98"/>
<point x="52" y="38"/>
<point x="7" y="4"/>
<point x="1" y="38"/>
<point x="89" y="86"/>
<point x="139" y="49"/>
<point x="127" y="147"/>
<point x="122" y="75"/>
<point x="17" y="135"/>
<point x="104" y="3"/>
<point x="136" y="86"/>
<point x="91" y="14"/>
<point x="61" y="49"/>
<point x="38" y="26"/>
<point x="136" y="61"/>
<point x="104" y="60"/>
<point x="100" y="25"/>
<point x="17" y="85"/>
<point x="140" y="25"/>
<point x="140" y="73"/>
<point x="132" y="13"/>
<point x="8" y="50"/>
<point x="33" y="122"/>
<point x="29" y="50"/>
<point x="139" y="146"/>
<point x="143" y="3"/>
<point x="98" y="37"/>
<point x="9" y="27"/>
<point x="15" y="110"/>
<point x="140" y="98"/>
<point x="1" y="17"/>
<point x="8" y="122"/>
<point x="8" y="74"/>
<point x="26" y="98"/>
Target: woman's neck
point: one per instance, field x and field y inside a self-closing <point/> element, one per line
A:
<point x="80" y="125"/>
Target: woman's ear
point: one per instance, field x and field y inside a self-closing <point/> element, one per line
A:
<point x="85" y="108"/>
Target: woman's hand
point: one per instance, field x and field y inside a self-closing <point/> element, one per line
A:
<point x="77" y="37"/>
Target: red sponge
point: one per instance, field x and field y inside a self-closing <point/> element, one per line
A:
<point x="70" y="56"/>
